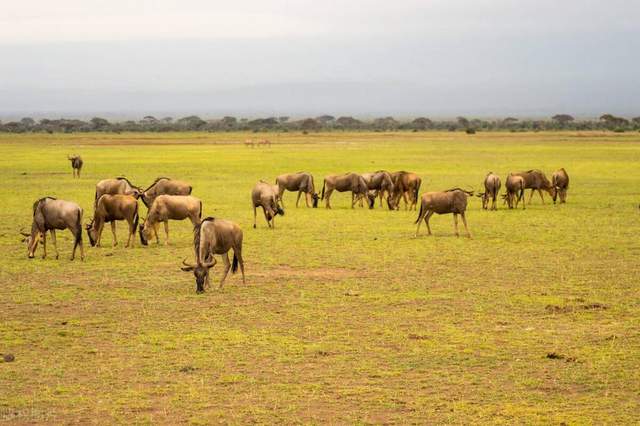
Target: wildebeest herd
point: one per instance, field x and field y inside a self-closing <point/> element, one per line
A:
<point x="168" y="199"/>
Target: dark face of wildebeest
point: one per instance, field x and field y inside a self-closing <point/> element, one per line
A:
<point x="200" y="272"/>
<point x="144" y="235"/>
<point x="315" y="197"/>
<point x="91" y="233"/>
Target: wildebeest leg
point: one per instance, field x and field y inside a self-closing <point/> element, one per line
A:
<point x="406" y="203"/>
<point x="155" y="231"/>
<point x="255" y="214"/>
<point x="521" y="198"/>
<point x="238" y="253"/>
<point x="455" y="224"/>
<point x="541" y="197"/>
<point x="266" y="217"/>
<point x="55" y="243"/>
<point x="113" y="231"/>
<point x="306" y="198"/>
<point x="166" y="232"/>
<point x="464" y="221"/>
<point x="531" y="195"/>
<point x="44" y="244"/>
<point x="328" y="196"/>
<point x="227" y="266"/>
<point x="298" y="200"/>
<point x="426" y="220"/>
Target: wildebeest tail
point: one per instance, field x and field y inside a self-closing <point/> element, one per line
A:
<point x="234" y="264"/>
<point x="419" y="214"/>
<point x="135" y="218"/>
<point x="190" y="189"/>
<point x="200" y="212"/>
<point x="78" y="232"/>
<point x="417" y="191"/>
<point x="324" y="181"/>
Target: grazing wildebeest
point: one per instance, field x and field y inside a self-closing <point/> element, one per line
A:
<point x="249" y="142"/>
<point x="515" y="186"/>
<point x="111" y="208"/>
<point x="50" y="214"/>
<point x="266" y="196"/>
<point x="120" y="185"/>
<point x="450" y="201"/>
<point x="347" y="182"/>
<point x="76" y="164"/>
<point x="210" y="237"/>
<point x="164" y="186"/>
<point x="265" y="142"/>
<point x="492" y="186"/>
<point x="169" y="207"/>
<point x="560" y="182"/>
<point x="405" y="185"/>
<point x="537" y="181"/>
<point x="301" y="182"/>
<point x="382" y="184"/>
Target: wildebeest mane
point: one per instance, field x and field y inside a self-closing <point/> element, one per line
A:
<point x="126" y="180"/>
<point x="37" y="203"/>
<point x="196" y="235"/>
<point x="156" y="181"/>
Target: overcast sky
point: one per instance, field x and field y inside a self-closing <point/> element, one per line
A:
<point x="127" y="58"/>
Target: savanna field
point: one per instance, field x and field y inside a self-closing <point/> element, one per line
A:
<point x="346" y="316"/>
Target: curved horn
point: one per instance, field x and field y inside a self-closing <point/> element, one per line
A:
<point x="184" y="262"/>
<point x="24" y="234"/>
<point x="210" y="263"/>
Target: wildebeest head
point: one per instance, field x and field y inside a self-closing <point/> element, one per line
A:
<point x="484" y="198"/>
<point x="145" y="234"/>
<point x="91" y="233"/>
<point x="371" y="198"/>
<point x="31" y="240"/>
<point x="200" y="272"/>
<point x="315" y="197"/>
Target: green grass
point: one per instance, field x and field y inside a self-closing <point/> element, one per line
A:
<point x="346" y="316"/>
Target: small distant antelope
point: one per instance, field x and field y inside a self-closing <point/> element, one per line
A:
<point x="265" y="142"/>
<point x="76" y="164"/>
<point x="249" y="142"/>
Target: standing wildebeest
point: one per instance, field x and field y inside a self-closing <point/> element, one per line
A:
<point x="249" y="142"/>
<point x="210" y="237"/>
<point x="111" y="208"/>
<point x="120" y="185"/>
<point x="265" y="142"/>
<point x="169" y="207"/>
<point x="347" y="182"/>
<point x="515" y="186"/>
<point x="164" y="186"/>
<point x="382" y="183"/>
<point x="50" y="214"/>
<point x="405" y="185"/>
<point x="266" y="196"/>
<point x="301" y="182"/>
<point x="537" y="181"/>
<point x="491" y="190"/>
<point x="76" y="164"/>
<point x="450" y="201"/>
<point x="560" y="180"/>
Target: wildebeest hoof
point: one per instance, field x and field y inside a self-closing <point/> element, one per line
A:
<point x="57" y="257"/>
<point x="254" y="226"/>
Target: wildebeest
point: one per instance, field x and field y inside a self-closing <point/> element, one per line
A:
<point x="515" y="186"/>
<point x="537" y="181"/>
<point x="169" y="207"/>
<point x="266" y="196"/>
<point x="407" y="186"/>
<point x="76" y="164"/>
<point x="560" y="182"/>
<point x="347" y="182"/>
<point x="50" y="214"/>
<point x="382" y="184"/>
<point x="249" y="142"/>
<point x="450" y="201"/>
<point x="492" y="186"/>
<point x="265" y="142"/>
<point x="111" y="208"/>
<point x="164" y="186"/>
<point x="210" y="237"/>
<point x="119" y="185"/>
<point x="301" y="182"/>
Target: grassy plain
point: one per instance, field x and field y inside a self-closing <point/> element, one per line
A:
<point x="346" y="317"/>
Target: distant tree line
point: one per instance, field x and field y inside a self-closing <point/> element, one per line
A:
<point x="315" y="124"/>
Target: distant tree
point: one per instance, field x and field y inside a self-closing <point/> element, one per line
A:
<point x="462" y="121"/>
<point x="99" y="124"/>
<point x="562" y="119"/>
<point x="348" y="123"/>
<point x="27" y="122"/>
<point x="385" y="123"/>
<point x="636" y="120"/>
<point x="612" y="121"/>
<point x="325" y="119"/>
<point x="310" y="124"/>
<point x="166" y="119"/>
<point x="283" y="119"/>
<point x="421" y="123"/>
<point x="192" y="122"/>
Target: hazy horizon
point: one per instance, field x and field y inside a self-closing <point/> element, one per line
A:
<point x="252" y="58"/>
